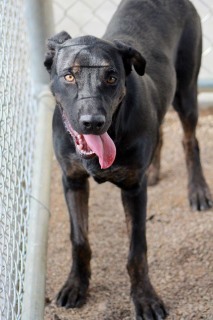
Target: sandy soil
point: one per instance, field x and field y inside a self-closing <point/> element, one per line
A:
<point x="180" y="242"/>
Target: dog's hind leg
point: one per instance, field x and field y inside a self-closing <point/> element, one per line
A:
<point x="148" y="305"/>
<point x="154" y="168"/>
<point x="185" y="103"/>
<point x="74" y="292"/>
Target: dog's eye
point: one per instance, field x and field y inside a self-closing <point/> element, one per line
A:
<point x="111" y="80"/>
<point x="69" y="78"/>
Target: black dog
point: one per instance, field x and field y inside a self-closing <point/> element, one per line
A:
<point x="107" y="124"/>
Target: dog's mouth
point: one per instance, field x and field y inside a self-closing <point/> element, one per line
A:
<point x="90" y="145"/>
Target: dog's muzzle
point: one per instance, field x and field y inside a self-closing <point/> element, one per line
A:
<point x="89" y="145"/>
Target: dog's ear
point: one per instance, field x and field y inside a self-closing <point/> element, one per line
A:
<point x="52" y="44"/>
<point x="131" y="57"/>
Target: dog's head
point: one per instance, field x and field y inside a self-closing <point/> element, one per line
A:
<point x="88" y="78"/>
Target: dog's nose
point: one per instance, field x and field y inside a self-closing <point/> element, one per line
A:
<point x="92" y="123"/>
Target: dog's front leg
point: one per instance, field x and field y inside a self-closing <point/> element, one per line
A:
<point x="148" y="305"/>
<point x="73" y="293"/>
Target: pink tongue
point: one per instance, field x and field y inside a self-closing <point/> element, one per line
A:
<point x="103" y="147"/>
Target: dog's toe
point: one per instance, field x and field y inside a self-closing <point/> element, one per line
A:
<point x="151" y="308"/>
<point x="152" y="313"/>
<point x="200" y="197"/>
<point x="72" y="295"/>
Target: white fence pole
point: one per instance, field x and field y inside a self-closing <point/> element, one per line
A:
<point x="39" y="19"/>
<point x="34" y="293"/>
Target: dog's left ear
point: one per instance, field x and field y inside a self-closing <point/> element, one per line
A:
<point x="131" y="57"/>
<point x="52" y="44"/>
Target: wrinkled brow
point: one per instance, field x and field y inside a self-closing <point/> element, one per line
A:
<point x="76" y="68"/>
<point x="91" y="66"/>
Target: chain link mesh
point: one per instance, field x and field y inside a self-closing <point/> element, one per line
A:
<point x="17" y="127"/>
<point x="91" y="17"/>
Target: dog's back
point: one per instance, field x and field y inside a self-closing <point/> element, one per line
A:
<point x="156" y="23"/>
<point x="165" y="32"/>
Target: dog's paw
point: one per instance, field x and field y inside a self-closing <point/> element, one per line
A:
<point x="150" y="308"/>
<point x="73" y="294"/>
<point x="200" y="197"/>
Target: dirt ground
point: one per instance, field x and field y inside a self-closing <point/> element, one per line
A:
<point x="180" y="242"/>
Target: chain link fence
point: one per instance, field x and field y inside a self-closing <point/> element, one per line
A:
<point x="91" y="17"/>
<point x="17" y="133"/>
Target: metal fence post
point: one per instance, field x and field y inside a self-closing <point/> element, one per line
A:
<point x="39" y="18"/>
<point x="34" y="288"/>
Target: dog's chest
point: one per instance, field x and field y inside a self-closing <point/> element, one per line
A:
<point x="120" y="175"/>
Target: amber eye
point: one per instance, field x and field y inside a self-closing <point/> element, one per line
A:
<point x="111" y="80"/>
<point x="69" y="78"/>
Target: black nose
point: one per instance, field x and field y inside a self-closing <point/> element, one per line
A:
<point x="92" y="123"/>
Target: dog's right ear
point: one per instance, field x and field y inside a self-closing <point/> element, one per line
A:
<point x="131" y="57"/>
<point x="52" y="44"/>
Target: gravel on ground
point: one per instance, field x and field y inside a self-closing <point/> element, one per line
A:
<point x="180" y="242"/>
